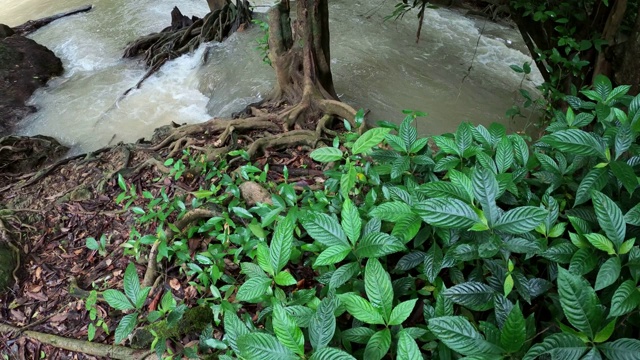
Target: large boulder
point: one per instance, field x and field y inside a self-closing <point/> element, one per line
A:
<point x="24" y="66"/>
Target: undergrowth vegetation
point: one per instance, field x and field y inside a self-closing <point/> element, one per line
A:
<point x="475" y="244"/>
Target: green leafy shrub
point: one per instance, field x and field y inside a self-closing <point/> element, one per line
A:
<point x="474" y="244"/>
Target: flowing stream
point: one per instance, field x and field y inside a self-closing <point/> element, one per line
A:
<point x="376" y="65"/>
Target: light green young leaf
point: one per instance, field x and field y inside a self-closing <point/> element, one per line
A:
<point x="263" y="258"/>
<point x="407" y="347"/>
<point x="348" y="180"/>
<point x="332" y="255"/>
<point x="600" y="242"/>
<point x="287" y="332"/>
<point x="520" y="220"/>
<point x="253" y="288"/>
<point x="117" y="300"/>
<point x="609" y="217"/>
<point x="326" y="154"/>
<point x="264" y="347"/>
<point x="377" y="284"/>
<point x="609" y="273"/>
<point x="401" y="312"/>
<point x="361" y="309"/>
<point x="284" y="279"/>
<point x="378" y="345"/>
<point x="131" y="283"/>
<point x="351" y="222"/>
<point x="369" y="139"/>
<point x="459" y="335"/>
<point x="281" y="244"/>
<point x="125" y="327"/>
<point x="446" y="213"/>
<point x="322" y="326"/>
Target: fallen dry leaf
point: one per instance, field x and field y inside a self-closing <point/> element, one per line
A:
<point x="175" y="284"/>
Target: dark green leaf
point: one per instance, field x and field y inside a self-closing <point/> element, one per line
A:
<point x="579" y="302"/>
<point x="377" y="284"/>
<point x="433" y="262"/>
<point x="560" y="346"/>
<point x="343" y="274"/>
<point x="131" y="283"/>
<point x="520" y="220"/>
<point x="485" y="188"/>
<point x="513" y="333"/>
<point x="446" y="213"/>
<point x="574" y="141"/>
<point x="625" y="299"/>
<point x="287" y="331"/>
<point x="596" y="179"/>
<point x="473" y="295"/>
<point x="117" y="300"/>
<point x="625" y="174"/>
<point x="621" y="349"/>
<point x="325" y="229"/>
<point x="504" y="155"/>
<point x="391" y="211"/>
<point x="459" y="335"/>
<point x="323" y="323"/>
<point x="609" y="273"/>
<point x="407" y="347"/>
<point x="632" y="216"/>
<point x="378" y="244"/>
<point x="281" y="244"/>
<point x="378" y="345"/>
<point x="253" y="288"/>
<point x="264" y="347"/>
<point x="125" y="327"/>
<point x="609" y="217"/>
<point x="331" y="354"/>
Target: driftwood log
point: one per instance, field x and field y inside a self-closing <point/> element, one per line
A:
<point x="33" y="25"/>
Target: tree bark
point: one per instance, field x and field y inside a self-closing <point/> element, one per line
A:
<point x="628" y="71"/>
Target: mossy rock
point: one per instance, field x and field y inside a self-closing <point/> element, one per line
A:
<point x="194" y="321"/>
<point x="7" y="265"/>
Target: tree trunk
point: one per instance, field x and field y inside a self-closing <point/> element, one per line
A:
<point x="628" y="71"/>
<point x="300" y="55"/>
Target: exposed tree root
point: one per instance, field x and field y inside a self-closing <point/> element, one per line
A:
<point x="81" y="346"/>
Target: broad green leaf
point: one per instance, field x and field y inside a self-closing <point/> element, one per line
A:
<point x="284" y="278"/>
<point x="323" y="323"/>
<point x="574" y="141"/>
<point x="433" y="262"/>
<point x="287" y="331"/>
<point x="351" y="222"/>
<point x="92" y="244"/>
<point x="325" y="229"/>
<point x="504" y="155"/>
<point x="343" y="274"/>
<point x="369" y="139"/>
<point x="326" y="154"/>
<point x="462" y="181"/>
<point x="361" y="309"/>
<point x="520" y="220"/>
<point x="446" y="213"/>
<point x="624" y="139"/>
<point x="514" y="332"/>
<point x="445" y="189"/>
<point x="447" y="145"/>
<point x="485" y="189"/>
<point x="378" y="345"/>
<point x="348" y="180"/>
<point x="407" y="228"/>
<point x="579" y="302"/>
<point x="609" y="273"/>
<point x="263" y="258"/>
<point x="117" y="300"/>
<point x="281" y="244"/>
<point x="521" y="149"/>
<point x="625" y="299"/>
<point x="125" y="327"/>
<point x="632" y="217"/>
<point x="377" y="284"/>
<point x="600" y="242"/>
<point x="583" y="261"/>
<point x="359" y="335"/>
<point x="142" y="296"/>
<point x="332" y="255"/>
<point x="407" y="347"/>
<point x="401" y="312"/>
<point x="621" y="349"/>
<point x="473" y="295"/>
<point x="459" y="335"/>
<point x="253" y="289"/>
<point x="233" y="329"/>
<point x="264" y="347"/>
<point x="560" y="346"/>
<point x="464" y="137"/>
<point x="605" y="333"/>
<point x="625" y="174"/>
<point x="331" y="354"/>
<point x="131" y="283"/>
<point x="252" y="270"/>
<point x="391" y="211"/>
<point x="377" y="244"/>
<point x="596" y="179"/>
<point x="609" y="217"/>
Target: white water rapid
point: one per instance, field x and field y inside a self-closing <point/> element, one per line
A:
<point x="376" y="65"/>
